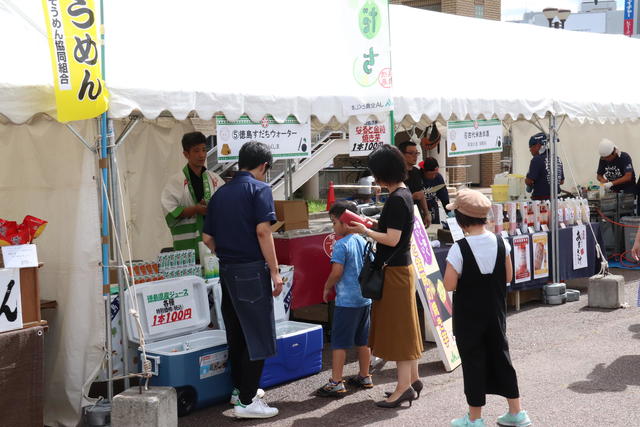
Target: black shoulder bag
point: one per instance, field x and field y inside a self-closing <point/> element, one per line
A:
<point x="371" y="276"/>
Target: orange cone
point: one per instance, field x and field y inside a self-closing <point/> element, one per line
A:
<point x="331" y="195"/>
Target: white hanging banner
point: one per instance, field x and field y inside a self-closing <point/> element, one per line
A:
<point x="474" y="137"/>
<point x="521" y="259"/>
<point x="287" y="140"/>
<point x="10" y="301"/>
<point x="366" y="30"/>
<point x="579" y="234"/>
<point x="366" y="137"/>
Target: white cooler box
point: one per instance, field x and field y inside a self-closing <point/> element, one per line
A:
<point x="174" y="315"/>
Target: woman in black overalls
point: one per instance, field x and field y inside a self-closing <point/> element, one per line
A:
<point x="478" y="270"/>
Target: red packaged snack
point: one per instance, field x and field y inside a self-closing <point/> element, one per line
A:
<point x="8" y="230"/>
<point x="36" y="226"/>
<point x="348" y="217"/>
<point x="22" y="237"/>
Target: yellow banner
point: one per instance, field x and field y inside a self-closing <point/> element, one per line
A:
<point x="72" y="27"/>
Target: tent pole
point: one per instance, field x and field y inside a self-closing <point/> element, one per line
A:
<point x="103" y="163"/>
<point x="553" y="169"/>
<point x="393" y="128"/>
<point x="117" y="254"/>
<point x="116" y="196"/>
<point x="127" y="130"/>
<point x="80" y="137"/>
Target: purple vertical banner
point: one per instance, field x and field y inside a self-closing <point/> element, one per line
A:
<point x="433" y="296"/>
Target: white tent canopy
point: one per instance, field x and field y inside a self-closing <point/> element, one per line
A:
<point x="446" y="65"/>
<point x="255" y="57"/>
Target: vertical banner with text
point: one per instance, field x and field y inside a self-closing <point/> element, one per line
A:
<point x="579" y="234"/>
<point x="366" y="27"/>
<point x="629" y="16"/>
<point x="437" y="304"/>
<point x="72" y="28"/>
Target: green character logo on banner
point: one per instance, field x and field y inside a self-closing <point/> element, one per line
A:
<point x="369" y="20"/>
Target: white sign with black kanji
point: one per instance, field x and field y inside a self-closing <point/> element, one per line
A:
<point x="10" y="301"/>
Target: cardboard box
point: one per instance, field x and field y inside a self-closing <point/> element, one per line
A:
<point x="293" y="213"/>
<point x="29" y="293"/>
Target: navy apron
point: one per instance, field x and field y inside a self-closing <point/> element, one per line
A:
<point x="249" y="289"/>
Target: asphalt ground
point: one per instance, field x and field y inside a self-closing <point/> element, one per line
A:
<point x="576" y="367"/>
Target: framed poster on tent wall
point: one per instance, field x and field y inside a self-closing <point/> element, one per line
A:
<point x="287" y="140"/>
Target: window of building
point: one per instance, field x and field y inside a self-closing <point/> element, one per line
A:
<point x="479" y="11"/>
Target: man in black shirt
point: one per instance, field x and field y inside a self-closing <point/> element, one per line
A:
<point x="615" y="169"/>
<point x="414" y="179"/>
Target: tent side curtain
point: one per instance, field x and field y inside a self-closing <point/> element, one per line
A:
<point x="284" y="60"/>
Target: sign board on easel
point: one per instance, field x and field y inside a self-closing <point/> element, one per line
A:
<point x="10" y="301"/>
<point x="435" y="299"/>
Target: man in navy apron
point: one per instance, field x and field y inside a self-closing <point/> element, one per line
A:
<point x="238" y="230"/>
<point x="538" y="176"/>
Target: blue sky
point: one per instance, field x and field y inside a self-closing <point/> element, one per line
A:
<point x="513" y="9"/>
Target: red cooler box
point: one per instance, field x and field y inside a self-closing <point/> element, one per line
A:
<point x="309" y="252"/>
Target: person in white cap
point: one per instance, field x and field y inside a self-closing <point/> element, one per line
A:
<point x="615" y="169"/>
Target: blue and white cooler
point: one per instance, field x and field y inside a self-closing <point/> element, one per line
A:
<point x="174" y="315"/>
<point x="299" y="353"/>
<point x="298" y="345"/>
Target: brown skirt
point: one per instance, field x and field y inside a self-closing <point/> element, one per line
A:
<point x="395" y="329"/>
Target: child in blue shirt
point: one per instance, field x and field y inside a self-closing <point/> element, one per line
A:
<point x="350" y="326"/>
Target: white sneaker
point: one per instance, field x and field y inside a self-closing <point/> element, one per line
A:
<point x="257" y="409"/>
<point x="376" y="364"/>
<point x="235" y="396"/>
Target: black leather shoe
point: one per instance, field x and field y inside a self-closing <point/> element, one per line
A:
<point x="417" y="385"/>
<point x="407" y="396"/>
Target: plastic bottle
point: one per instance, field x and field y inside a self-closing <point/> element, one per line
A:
<point x="521" y="214"/>
<point x="506" y="225"/>
<point x="497" y="217"/>
<point x="491" y="225"/>
<point x="536" y="215"/>
<point x="544" y="213"/>
<point x="209" y="262"/>
<point x="586" y="211"/>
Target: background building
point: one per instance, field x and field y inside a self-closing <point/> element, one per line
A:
<point x="602" y="18"/>
<point x="488" y="9"/>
